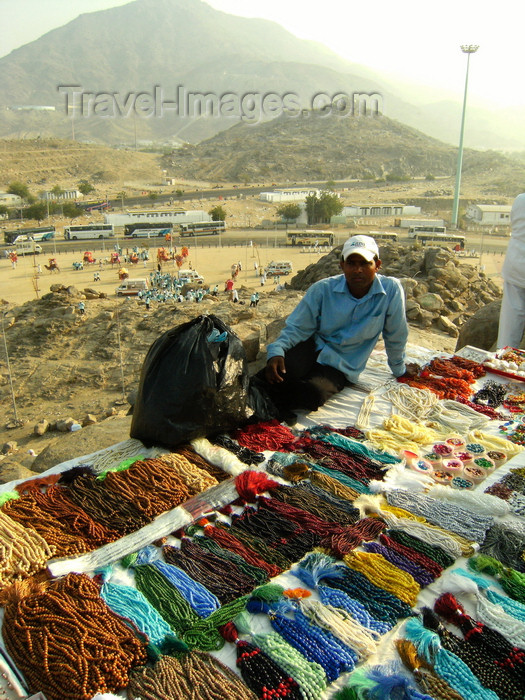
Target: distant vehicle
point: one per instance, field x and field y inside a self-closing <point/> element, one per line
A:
<point x="147" y="230"/>
<point x="130" y="288"/>
<point x="426" y="228"/>
<point x="38" y="233"/>
<point x="202" y="228"/>
<point x="190" y="277"/>
<point x="88" y="231"/>
<point x="27" y="248"/>
<point x="279" y="267"/>
<point x="408" y="223"/>
<point x="94" y="205"/>
<point x="425" y="237"/>
<point x="310" y="238"/>
<point x="384" y="235"/>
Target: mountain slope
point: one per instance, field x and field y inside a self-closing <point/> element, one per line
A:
<point x="168" y="43"/>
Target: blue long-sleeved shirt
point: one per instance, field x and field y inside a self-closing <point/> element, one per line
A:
<point x="346" y="329"/>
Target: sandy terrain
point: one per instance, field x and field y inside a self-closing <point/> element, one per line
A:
<point x="214" y="264"/>
<point x="26" y="282"/>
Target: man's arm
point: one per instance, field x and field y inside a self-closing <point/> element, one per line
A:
<point x="395" y="331"/>
<point x="301" y="324"/>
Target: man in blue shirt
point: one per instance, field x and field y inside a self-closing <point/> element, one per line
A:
<point x="329" y="336"/>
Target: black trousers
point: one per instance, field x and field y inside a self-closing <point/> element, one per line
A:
<point x="307" y="384"/>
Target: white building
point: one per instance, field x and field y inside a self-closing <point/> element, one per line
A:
<point x="10" y="200"/>
<point x="70" y="195"/>
<point x="489" y="214"/>
<point x="288" y="194"/>
<point x="379" y="210"/>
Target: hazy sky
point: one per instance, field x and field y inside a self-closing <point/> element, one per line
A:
<point x="412" y="39"/>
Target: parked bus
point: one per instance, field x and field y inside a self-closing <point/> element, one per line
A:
<point x="426" y="237"/>
<point x="38" y="233"/>
<point x="202" y="228"/>
<point x="384" y="236"/>
<point x="147" y="230"/>
<point x="80" y="233"/>
<point x="314" y="238"/>
<point x="427" y="228"/>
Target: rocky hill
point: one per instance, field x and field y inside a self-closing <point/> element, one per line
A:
<point x="311" y="147"/>
<point x="48" y="161"/>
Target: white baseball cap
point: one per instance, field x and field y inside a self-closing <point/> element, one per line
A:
<point x="365" y="246"/>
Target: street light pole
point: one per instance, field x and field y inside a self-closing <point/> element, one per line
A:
<point x="468" y="49"/>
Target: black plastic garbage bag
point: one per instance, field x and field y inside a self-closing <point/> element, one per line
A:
<point x="193" y="383"/>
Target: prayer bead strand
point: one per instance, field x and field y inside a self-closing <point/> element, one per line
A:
<point x="223" y="579"/>
<point x="195" y="675"/>
<point x="23" y="552"/>
<point x="381" y="572"/>
<point x="58" y="634"/>
<point x="445" y="663"/>
<point x="193" y="457"/>
<point x="424" y="676"/>
<point x="447" y="515"/>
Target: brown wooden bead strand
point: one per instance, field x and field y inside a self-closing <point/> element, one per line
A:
<point x="195" y="458"/>
<point x="26" y="511"/>
<point x="66" y="641"/>
<point x="197" y="675"/>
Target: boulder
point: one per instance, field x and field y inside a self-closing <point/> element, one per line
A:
<point x="41" y="427"/>
<point x="481" y="330"/>
<point x="431" y="302"/>
<point x="64" y="426"/>
<point x="448" y="326"/>
<point x="250" y="337"/>
<point x="9" y="447"/>
<point x="83" y="442"/>
<point x="413" y="310"/>
<point x="11" y="470"/>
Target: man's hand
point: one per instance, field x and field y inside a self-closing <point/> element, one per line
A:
<point x="411" y="371"/>
<point x="275" y="370"/>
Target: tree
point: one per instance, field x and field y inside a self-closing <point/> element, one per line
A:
<point x="18" y="188"/>
<point x="321" y="209"/>
<point x="218" y="213"/>
<point x="36" y="211"/>
<point x="85" y="187"/>
<point x="3" y="210"/>
<point x="153" y="196"/>
<point x="330" y="186"/>
<point x="289" y="211"/>
<point x="71" y="210"/>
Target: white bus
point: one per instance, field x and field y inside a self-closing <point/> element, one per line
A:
<point x="384" y="236"/>
<point x="425" y="237"/>
<point x="147" y="230"/>
<point x="89" y="231"/>
<point x="311" y="237"/>
<point x="156" y="216"/>
<point x="427" y="228"/>
<point x="202" y="228"/>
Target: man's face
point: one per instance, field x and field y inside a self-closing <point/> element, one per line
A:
<point x="359" y="274"/>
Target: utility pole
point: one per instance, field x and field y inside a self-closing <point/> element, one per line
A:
<point x="468" y="49"/>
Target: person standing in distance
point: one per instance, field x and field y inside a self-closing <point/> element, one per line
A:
<point x="330" y="335"/>
<point x="512" y="314"/>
